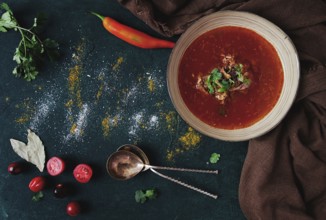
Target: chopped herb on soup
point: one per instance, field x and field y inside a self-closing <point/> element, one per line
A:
<point x="221" y="81"/>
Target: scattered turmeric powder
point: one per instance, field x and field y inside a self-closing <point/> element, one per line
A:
<point x="74" y="85"/>
<point x="102" y="86"/>
<point x="69" y="103"/>
<point x="77" y="57"/>
<point x="73" y="128"/>
<point x="74" y="92"/>
<point x="169" y="155"/>
<point x="105" y="126"/>
<point x="151" y="85"/>
<point x="190" y="140"/>
<point x="108" y="123"/>
<point x="28" y="113"/>
<point x="99" y="92"/>
<point x="117" y="65"/>
<point x="171" y="120"/>
<point x="23" y="119"/>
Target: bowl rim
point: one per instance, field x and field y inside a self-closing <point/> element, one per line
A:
<point x="278" y="39"/>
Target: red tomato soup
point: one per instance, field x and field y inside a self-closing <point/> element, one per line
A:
<point x="241" y="109"/>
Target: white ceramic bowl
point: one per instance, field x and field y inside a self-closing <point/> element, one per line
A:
<point x="274" y="35"/>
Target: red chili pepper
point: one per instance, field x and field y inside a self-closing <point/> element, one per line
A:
<point x="133" y="36"/>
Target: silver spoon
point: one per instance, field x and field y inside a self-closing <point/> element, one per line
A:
<point x="130" y="160"/>
<point x="146" y="165"/>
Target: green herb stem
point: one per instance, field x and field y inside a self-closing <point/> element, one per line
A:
<point x="23" y="40"/>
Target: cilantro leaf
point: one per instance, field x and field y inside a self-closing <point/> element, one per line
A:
<point x="151" y="194"/>
<point x="238" y="67"/>
<point x="142" y="196"/>
<point x="225" y="86"/>
<point x="37" y="196"/>
<point x="209" y="85"/>
<point x="214" y="158"/>
<point x="216" y="75"/>
<point x="240" y="77"/>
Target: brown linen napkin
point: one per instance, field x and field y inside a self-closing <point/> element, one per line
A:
<point x="284" y="174"/>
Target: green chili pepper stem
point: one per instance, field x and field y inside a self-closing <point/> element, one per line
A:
<point x="97" y="15"/>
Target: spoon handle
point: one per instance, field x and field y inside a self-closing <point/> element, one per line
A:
<point x="183" y="169"/>
<point x="185" y="184"/>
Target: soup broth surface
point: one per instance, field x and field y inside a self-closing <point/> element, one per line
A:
<point x="241" y="109"/>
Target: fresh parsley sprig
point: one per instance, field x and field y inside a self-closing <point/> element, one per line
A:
<point x="31" y="50"/>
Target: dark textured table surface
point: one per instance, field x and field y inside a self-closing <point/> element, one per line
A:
<point x="103" y="93"/>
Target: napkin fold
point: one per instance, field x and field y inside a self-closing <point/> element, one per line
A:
<point x="284" y="174"/>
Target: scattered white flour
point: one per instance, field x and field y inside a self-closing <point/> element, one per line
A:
<point x="99" y="83"/>
<point x="140" y="121"/>
<point x="81" y="124"/>
<point x="131" y="95"/>
<point x="136" y="121"/>
<point x="153" y="121"/>
<point x="44" y="106"/>
<point x="157" y="77"/>
<point x="115" y="120"/>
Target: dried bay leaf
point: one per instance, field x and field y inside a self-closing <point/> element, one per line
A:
<point x="32" y="152"/>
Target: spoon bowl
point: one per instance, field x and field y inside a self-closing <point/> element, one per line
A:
<point x="136" y="150"/>
<point x="124" y="165"/>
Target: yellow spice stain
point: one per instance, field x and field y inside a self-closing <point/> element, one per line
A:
<point x="108" y="123"/>
<point x="28" y="111"/>
<point x="190" y="140"/>
<point x="142" y="125"/>
<point x="74" y="87"/>
<point x="118" y="63"/>
<point x="101" y="87"/>
<point x="99" y="92"/>
<point x="106" y="126"/>
<point x="170" y="119"/>
<point x="74" y="84"/>
<point x="69" y="104"/>
<point x="74" y="102"/>
<point x="169" y="155"/>
<point x="151" y="85"/>
<point x="23" y="119"/>
<point x="77" y="57"/>
<point x="73" y="128"/>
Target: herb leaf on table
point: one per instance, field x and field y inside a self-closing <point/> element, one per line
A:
<point x="142" y="196"/>
<point x="37" y="196"/>
<point x="214" y="158"/>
